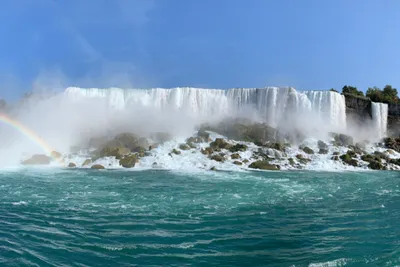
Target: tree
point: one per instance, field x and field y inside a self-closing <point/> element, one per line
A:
<point x="387" y="95"/>
<point x="333" y="90"/>
<point x="390" y="94"/>
<point x="351" y="90"/>
<point x="375" y="94"/>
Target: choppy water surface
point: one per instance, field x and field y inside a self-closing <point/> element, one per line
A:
<point x="160" y="218"/>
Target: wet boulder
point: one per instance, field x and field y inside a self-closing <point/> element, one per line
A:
<point x="307" y="150"/>
<point x="302" y="159"/>
<point x="322" y="145"/>
<point x="220" y="143"/>
<point x="128" y="161"/>
<point x="203" y="134"/>
<point x="264" y="165"/>
<point x="342" y="139"/>
<point x="71" y="165"/>
<point x="176" y="152"/>
<point x="184" y="147"/>
<point x="392" y="143"/>
<point x="86" y="162"/>
<point x="347" y="159"/>
<point x="218" y="157"/>
<point x="97" y="167"/>
<point x="277" y="146"/>
<point x="207" y="151"/>
<point x="235" y="156"/>
<point x="195" y="140"/>
<point x="376" y="165"/>
<point x="323" y="151"/>
<point x="237" y="148"/>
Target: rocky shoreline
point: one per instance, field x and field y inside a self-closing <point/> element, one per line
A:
<point x="240" y="143"/>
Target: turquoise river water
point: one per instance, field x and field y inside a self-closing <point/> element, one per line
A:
<point x="161" y="218"/>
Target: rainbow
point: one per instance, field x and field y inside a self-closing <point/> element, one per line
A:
<point x="30" y="134"/>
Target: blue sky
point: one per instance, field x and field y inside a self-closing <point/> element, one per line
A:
<point x="308" y="44"/>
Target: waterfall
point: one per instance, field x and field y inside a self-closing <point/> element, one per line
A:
<point x="379" y="118"/>
<point x="330" y="107"/>
<point x="273" y="105"/>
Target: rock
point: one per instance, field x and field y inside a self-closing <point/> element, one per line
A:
<point x="395" y="161"/>
<point x="86" y="162"/>
<point x="392" y="143"/>
<point x="323" y="151"/>
<point x="195" y="140"/>
<point x="307" y="150"/>
<point x="203" y="134"/>
<point x="138" y="149"/>
<point x="277" y="146"/>
<point x="302" y="159"/>
<point x="153" y="146"/>
<point x="244" y="130"/>
<point x="218" y="158"/>
<point x="291" y="161"/>
<point x="128" y="161"/>
<point x="56" y="155"/>
<point x="245" y="161"/>
<point x="357" y="150"/>
<point x="381" y="155"/>
<point x="322" y="146"/>
<point x="130" y="141"/>
<point x="184" y="147"/>
<point x="347" y="158"/>
<point x="213" y="169"/>
<point x="375" y="165"/>
<point x="97" y="167"/>
<point x="264" y="165"/>
<point x="176" y="152"/>
<point x="336" y="158"/>
<point x="336" y="153"/>
<point x="207" y="151"/>
<point x="237" y="148"/>
<point x="235" y="156"/>
<point x="390" y="152"/>
<point x="191" y="145"/>
<point x="342" y="139"/>
<point x="351" y="153"/>
<point x="236" y="162"/>
<point x="361" y="145"/>
<point x="71" y="165"/>
<point x="37" y="160"/>
<point x="220" y="143"/>
<point x="111" y="151"/>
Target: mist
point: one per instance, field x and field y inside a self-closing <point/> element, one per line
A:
<point x="64" y="119"/>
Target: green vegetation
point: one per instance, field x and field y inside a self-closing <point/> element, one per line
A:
<point x="351" y="90"/>
<point x="387" y="95"/>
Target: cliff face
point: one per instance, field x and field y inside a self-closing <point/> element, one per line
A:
<point x="358" y="109"/>
<point x="394" y="119"/>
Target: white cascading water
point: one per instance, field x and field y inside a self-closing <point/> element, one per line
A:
<point x="379" y="119"/>
<point x="329" y="106"/>
<point x="273" y="105"/>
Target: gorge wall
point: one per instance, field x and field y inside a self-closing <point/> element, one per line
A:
<point x="360" y="110"/>
<point x="394" y="119"/>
